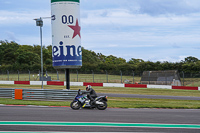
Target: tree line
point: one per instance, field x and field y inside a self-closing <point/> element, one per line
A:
<point x="26" y="57"/>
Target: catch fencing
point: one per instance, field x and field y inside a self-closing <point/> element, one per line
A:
<point x="75" y="76"/>
<point x="37" y="94"/>
<point x="101" y="76"/>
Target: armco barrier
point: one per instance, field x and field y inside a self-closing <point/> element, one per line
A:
<point x="75" y="83"/>
<point x="55" y="83"/>
<point x="38" y="82"/>
<point x="37" y="94"/>
<point x="7" y="82"/>
<point x="93" y="84"/>
<point x="99" y="84"/>
<point x="160" y="86"/>
<point x="6" y="92"/>
<point x="22" y="82"/>
<point x="136" y="85"/>
<point x="112" y="85"/>
<point x="185" y="87"/>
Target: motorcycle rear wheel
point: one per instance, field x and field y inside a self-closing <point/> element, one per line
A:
<point x="102" y="107"/>
<point x="75" y="105"/>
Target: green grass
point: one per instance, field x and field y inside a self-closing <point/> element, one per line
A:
<point x="117" y="103"/>
<point x="153" y="103"/>
<point x="8" y="101"/>
<point x="196" y="83"/>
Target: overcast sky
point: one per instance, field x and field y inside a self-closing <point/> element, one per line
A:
<point x="154" y="30"/>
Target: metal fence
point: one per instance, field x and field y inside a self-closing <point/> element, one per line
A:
<point x="8" y="93"/>
<point x="170" y="77"/>
<point x="187" y="79"/>
<point x="39" y="94"/>
<point x="75" y="76"/>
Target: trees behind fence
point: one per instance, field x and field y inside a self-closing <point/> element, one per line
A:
<point x="129" y="77"/>
<point x="15" y="57"/>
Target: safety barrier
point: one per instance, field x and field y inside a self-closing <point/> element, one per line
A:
<point x="93" y="84"/>
<point x="38" y="94"/>
<point x="32" y="94"/>
<point x="6" y="92"/>
<point x="185" y="87"/>
<point x="62" y="83"/>
<point x="136" y="85"/>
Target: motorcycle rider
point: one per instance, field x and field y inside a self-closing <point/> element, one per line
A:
<point x="91" y="94"/>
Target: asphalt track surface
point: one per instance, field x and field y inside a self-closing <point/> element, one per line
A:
<point x="40" y="119"/>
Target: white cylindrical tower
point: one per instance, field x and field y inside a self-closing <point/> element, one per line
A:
<point x="66" y="36"/>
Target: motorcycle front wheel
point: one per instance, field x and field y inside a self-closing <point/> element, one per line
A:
<point x="102" y="106"/>
<point x="75" y="105"/>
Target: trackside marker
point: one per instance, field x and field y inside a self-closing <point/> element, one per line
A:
<point x="18" y="94"/>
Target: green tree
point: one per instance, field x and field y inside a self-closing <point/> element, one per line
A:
<point x="8" y="50"/>
<point x="135" y="61"/>
<point x="28" y="58"/>
<point x="101" y="57"/>
<point x="89" y="56"/>
<point x="191" y="59"/>
<point x="114" y="60"/>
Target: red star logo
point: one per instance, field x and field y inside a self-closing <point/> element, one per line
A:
<point x="76" y="29"/>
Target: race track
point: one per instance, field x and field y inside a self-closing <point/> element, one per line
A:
<point x="38" y="118"/>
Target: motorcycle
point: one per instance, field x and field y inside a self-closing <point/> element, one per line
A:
<point x="81" y="100"/>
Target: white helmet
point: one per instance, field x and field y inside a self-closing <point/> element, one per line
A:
<point x="88" y="87"/>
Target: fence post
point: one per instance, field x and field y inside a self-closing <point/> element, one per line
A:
<point x="93" y="75"/>
<point x="183" y="77"/>
<point x="121" y="75"/>
<point x="107" y="76"/>
<point x="18" y="74"/>
<point x="46" y="73"/>
<point x="67" y="76"/>
<point x="77" y="75"/>
<point x="29" y="75"/>
<point x="149" y="77"/>
<point x="141" y="74"/>
<point x="57" y="75"/>
<point x="165" y="78"/>
<point x="39" y="76"/>
<point x="8" y="74"/>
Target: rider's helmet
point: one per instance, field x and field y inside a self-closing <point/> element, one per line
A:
<point x="88" y="87"/>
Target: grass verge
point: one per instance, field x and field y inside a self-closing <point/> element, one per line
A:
<point x="153" y="103"/>
<point x="8" y="101"/>
<point x="117" y="103"/>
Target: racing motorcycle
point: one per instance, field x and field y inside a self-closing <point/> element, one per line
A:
<point x="81" y="100"/>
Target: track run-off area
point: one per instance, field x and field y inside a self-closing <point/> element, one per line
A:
<point x="63" y="119"/>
